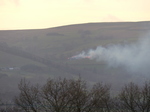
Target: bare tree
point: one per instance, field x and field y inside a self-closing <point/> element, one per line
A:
<point x="79" y="96"/>
<point x="101" y="98"/>
<point x="116" y="105"/>
<point x="85" y="99"/>
<point x="63" y="95"/>
<point x="129" y="96"/>
<point x="144" y="101"/>
<point x="55" y="95"/>
<point x="135" y="98"/>
<point x="28" y="99"/>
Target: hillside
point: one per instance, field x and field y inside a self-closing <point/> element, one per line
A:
<point x="65" y="41"/>
<point x="44" y="53"/>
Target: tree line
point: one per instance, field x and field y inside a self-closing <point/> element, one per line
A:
<point x="69" y="95"/>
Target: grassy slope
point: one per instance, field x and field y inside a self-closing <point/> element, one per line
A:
<point x="69" y="40"/>
<point x="57" y="44"/>
<point x="9" y="60"/>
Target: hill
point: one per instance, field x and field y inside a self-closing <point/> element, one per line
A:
<point x="61" y="42"/>
<point x="44" y="53"/>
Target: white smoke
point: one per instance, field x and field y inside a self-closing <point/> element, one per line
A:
<point x="133" y="57"/>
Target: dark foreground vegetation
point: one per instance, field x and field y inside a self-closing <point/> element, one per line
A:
<point x="69" y="95"/>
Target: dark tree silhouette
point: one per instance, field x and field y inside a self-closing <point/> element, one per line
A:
<point x="63" y="95"/>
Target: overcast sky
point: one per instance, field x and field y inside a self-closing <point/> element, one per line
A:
<point x="35" y="14"/>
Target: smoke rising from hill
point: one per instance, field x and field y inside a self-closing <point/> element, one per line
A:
<point x="134" y="57"/>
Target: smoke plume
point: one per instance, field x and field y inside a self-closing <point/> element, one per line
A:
<point x="133" y="57"/>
